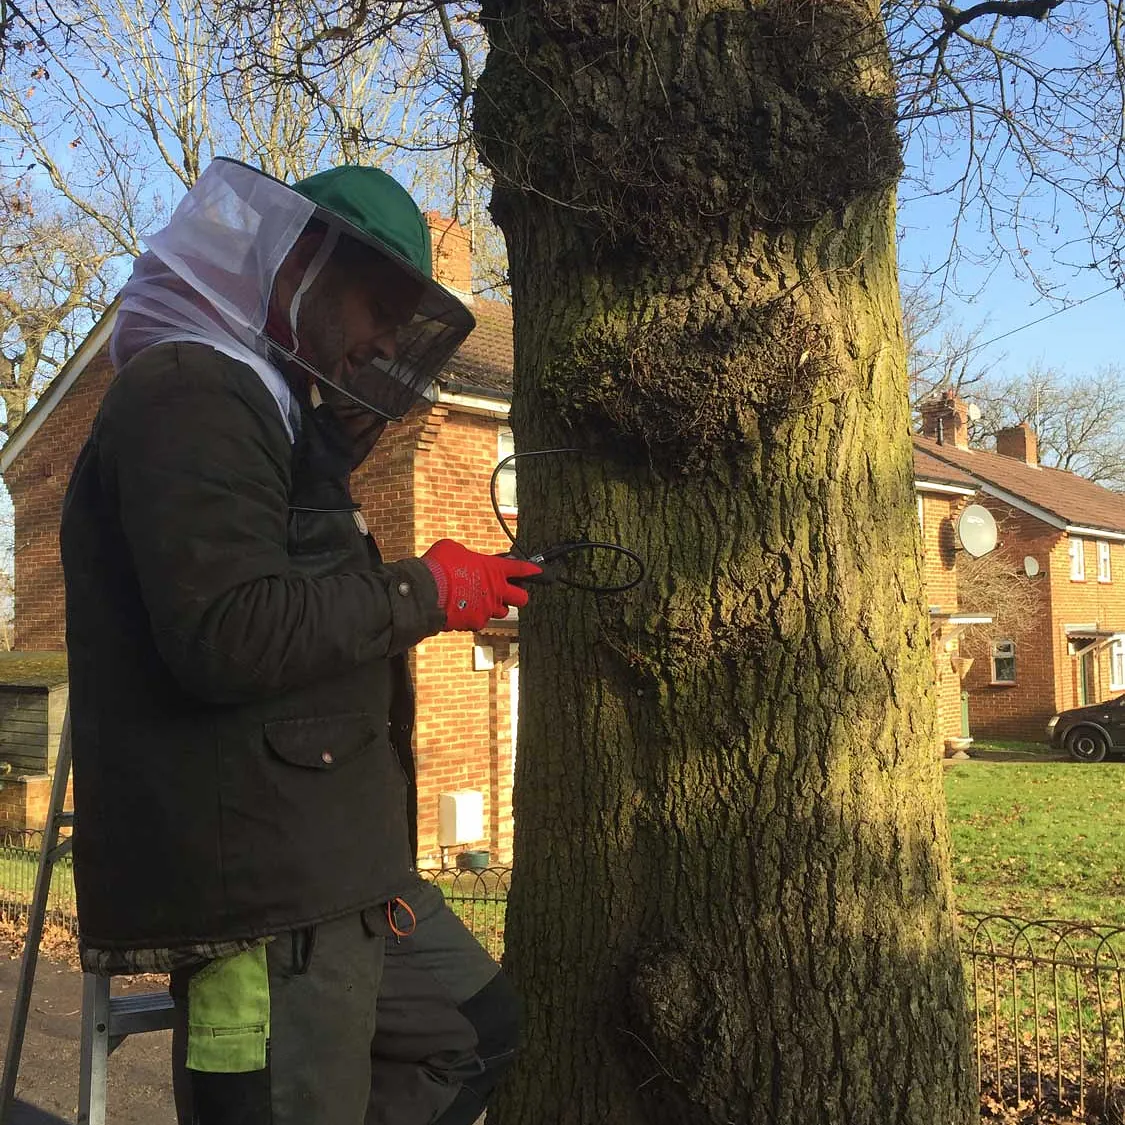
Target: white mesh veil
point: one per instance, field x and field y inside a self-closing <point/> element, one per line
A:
<point x="208" y="275"/>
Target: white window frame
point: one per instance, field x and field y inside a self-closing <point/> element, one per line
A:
<point x="1105" y="568"/>
<point x="922" y="517"/>
<point x="1117" y="665"/>
<point x="1004" y="649"/>
<point x="506" y="481"/>
<point x="1077" y="550"/>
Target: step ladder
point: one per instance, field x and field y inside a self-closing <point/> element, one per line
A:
<point x="106" y="1020"/>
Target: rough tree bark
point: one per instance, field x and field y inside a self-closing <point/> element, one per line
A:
<point x="732" y="900"/>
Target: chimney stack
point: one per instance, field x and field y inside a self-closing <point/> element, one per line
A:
<point x="452" y="255"/>
<point x="1018" y="442"/>
<point x="945" y="418"/>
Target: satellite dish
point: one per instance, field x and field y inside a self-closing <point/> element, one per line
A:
<point x="1030" y="566"/>
<point x="974" y="412"/>
<point x="977" y="530"/>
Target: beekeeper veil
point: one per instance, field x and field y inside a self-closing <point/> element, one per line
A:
<point x="209" y="274"/>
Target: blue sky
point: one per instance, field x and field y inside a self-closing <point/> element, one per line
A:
<point x="1083" y="338"/>
<point x="1080" y="339"/>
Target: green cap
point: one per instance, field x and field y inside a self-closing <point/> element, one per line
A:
<point x="376" y="211"/>
<point x="376" y="206"/>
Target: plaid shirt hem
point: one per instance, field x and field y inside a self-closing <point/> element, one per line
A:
<point x="126" y="962"/>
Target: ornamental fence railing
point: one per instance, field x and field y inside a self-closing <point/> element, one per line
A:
<point x="1047" y="997"/>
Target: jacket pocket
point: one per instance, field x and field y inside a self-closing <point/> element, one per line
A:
<point x="323" y="743"/>
<point x="314" y="820"/>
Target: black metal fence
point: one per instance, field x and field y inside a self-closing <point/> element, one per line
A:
<point x="19" y="862"/>
<point x="479" y="899"/>
<point x="1048" y="997"/>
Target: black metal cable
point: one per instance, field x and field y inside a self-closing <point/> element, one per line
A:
<point x="562" y="551"/>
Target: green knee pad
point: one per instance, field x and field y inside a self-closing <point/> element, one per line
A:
<point x="229" y="1014"/>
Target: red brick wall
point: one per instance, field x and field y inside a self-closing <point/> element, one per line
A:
<point x="947" y="686"/>
<point x="452" y="257"/>
<point x="502" y="756"/>
<point x="463" y="739"/>
<point x="939" y="574"/>
<point x="1019" y="710"/>
<point x="24" y="802"/>
<point x="37" y="482"/>
<point x="384" y="485"/>
<point x="939" y="553"/>
<point x="1086" y="602"/>
<point x="1046" y="672"/>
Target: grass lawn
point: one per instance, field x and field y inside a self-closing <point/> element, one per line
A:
<point x="1039" y="840"/>
<point x="1035" y="840"/>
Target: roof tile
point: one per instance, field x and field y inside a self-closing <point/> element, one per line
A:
<point x="1070" y="498"/>
<point x="485" y="360"/>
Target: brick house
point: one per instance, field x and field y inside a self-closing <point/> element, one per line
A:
<point x="1068" y="535"/>
<point x="943" y="493"/>
<point x="427" y="479"/>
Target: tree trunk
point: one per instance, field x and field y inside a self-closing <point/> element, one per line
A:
<point x="732" y="900"/>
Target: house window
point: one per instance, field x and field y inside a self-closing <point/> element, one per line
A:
<point x="1104" y="572"/>
<point x="1117" y="665"/>
<point x="1003" y="662"/>
<point x="922" y="518"/>
<point x="506" y="481"/>
<point x="1077" y="560"/>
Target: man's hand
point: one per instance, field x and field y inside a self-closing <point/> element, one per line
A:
<point x="473" y="588"/>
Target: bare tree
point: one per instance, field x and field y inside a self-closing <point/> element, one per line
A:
<point x="119" y="113"/>
<point x="1079" y="420"/>
<point x="23" y="26"/>
<point x="125" y="110"/>
<point x="433" y="54"/>
<point x="1014" y="108"/>
<point x="941" y="354"/>
<point x="53" y="285"/>
<point x="996" y="585"/>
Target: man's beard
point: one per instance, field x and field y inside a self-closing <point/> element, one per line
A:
<point x="322" y="347"/>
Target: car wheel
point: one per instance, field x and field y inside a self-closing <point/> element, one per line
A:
<point x="1084" y="744"/>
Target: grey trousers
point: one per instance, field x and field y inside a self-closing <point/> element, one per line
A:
<point x="367" y="1027"/>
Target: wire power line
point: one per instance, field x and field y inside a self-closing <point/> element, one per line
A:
<point x="1032" y="323"/>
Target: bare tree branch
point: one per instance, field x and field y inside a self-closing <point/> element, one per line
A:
<point x="1030" y="94"/>
<point x="953" y="19"/>
<point x="51" y="287"/>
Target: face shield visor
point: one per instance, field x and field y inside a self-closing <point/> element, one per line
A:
<point x="374" y="257"/>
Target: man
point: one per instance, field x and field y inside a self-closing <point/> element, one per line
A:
<point x="240" y="701"/>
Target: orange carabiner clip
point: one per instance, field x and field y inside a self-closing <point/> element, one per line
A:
<point x="392" y="917"/>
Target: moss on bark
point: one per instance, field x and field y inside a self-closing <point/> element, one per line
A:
<point x="732" y="899"/>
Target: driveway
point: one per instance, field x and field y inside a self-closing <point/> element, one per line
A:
<point x="983" y="754"/>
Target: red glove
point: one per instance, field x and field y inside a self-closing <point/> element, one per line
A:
<point x="472" y="587"/>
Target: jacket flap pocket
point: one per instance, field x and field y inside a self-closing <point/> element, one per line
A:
<point x="321" y="743"/>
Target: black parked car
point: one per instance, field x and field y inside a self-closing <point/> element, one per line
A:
<point x="1090" y="733"/>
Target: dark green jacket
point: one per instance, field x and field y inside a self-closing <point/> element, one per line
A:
<point x="239" y="698"/>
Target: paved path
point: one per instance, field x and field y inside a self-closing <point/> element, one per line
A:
<point x="981" y="755"/>
<point x="140" y="1085"/>
<point x="140" y="1088"/>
